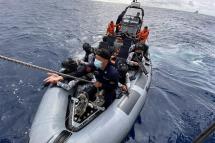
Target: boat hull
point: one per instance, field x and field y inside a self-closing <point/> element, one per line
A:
<point x="111" y="126"/>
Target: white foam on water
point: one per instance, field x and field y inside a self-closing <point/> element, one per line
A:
<point x="206" y="104"/>
<point x="198" y="62"/>
<point x="78" y="55"/>
<point x="84" y="39"/>
<point x="73" y="42"/>
<point x="20" y="82"/>
<point x="175" y="120"/>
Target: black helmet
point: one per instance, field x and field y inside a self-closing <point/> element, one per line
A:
<point x="87" y="48"/>
<point x="122" y="67"/>
<point x="70" y="65"/>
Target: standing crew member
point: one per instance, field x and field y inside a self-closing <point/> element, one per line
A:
<point x="119" y="27"/>
<point x="119" y="21"/>
<point x="110" y="29"/>
<point x="143" y="35"/>
<point x="138" y="17"/>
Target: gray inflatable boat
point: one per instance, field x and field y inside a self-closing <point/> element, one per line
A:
<point x="56" y="121"/>
<point x="110" y="126"/>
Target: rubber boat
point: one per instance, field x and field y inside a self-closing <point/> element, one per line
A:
<point x="56" y="122"/>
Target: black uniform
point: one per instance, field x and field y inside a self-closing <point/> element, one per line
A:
<point x="108" y="77"/>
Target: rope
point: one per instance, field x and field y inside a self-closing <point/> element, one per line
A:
<point x="41" y="68"/>
<point x="205" y="134"/>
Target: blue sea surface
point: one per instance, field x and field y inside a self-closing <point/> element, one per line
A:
<point x="181" y="99"/>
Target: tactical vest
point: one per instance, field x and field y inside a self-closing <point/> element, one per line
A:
<point x="137" y="57"/>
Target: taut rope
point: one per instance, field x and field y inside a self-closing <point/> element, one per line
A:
<point x="205" y="134"/>
<point x="41" y="68"/>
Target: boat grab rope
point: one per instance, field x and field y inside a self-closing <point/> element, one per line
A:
<point x="41" y="68"/>
<point x="205" y="134"/>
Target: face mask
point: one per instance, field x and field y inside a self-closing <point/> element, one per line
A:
<point x="98" y="64"/>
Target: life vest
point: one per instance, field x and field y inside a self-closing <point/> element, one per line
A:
<point x="143" y="35"/>
<point x="110" y="29"/>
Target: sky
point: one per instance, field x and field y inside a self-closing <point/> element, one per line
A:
<point x="203" y="6"/>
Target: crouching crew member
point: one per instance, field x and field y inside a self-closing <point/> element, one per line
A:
<point x="105" y="73"/>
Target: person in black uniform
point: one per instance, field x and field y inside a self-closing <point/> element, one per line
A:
<point x="105" y="73"/>
<point x="138" y="17"/>
<point x="89" y="53"/>
<point x="119" y="20"/>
